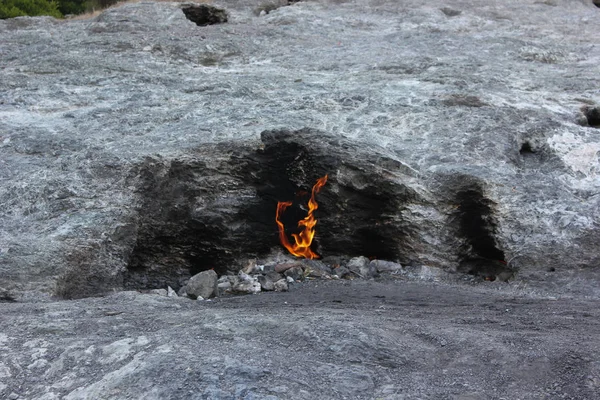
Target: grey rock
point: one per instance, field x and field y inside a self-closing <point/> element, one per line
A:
<point x="281" y="285"/>
<point x="341" y="272"/>
<point x="224" y="287"/>
<point x="357" y="264"/>
<point x="281" y="268"/>
<point x="362" y="267"/>
<point x="274" y="276"/>
<point x="247" y="287"/>
<point x="295" y="273"/>
<point x="245" y="278"/>
<point x="386" y="266"/>
<point x="136" y="145"/>
<point x="202" y="285"/>
<point x="171" y="292"/>
<point x="316" y="265"/>
<point x="181" y="292"/>
<point x="266" y="283"/>
<point x="159" y="292"/>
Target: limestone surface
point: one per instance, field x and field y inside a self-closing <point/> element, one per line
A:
<point x="138" y="148"/>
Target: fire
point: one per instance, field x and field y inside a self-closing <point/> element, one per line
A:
<point x="303" y="240"/>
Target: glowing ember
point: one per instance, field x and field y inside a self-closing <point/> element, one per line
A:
<point x="303" y="240"/>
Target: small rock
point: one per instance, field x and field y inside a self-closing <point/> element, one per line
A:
<point x="224" y="287"/>
<point x="285" y="266"/>
<point x="289" y="279"/>
<point x="266" y="283"/>
<point x="368" y="271"/>
<point x="199" y="298"/>
<point x="317" y="265"/>
<point x="280" y="286"/>
<point x="203" y="285"/>
<point x="250" y="266"/>
<point x="355" y="264"/>
<point x="341" y="272"/>
<point x="247" y="287"/>
<point x="296" y="273"/>
<point x="160" y="292"/>
<point x="13" y="396"/>
<point x="181" y="292"/>
<point x="171" y="292"/>
<point x="386" y="266"/>
<point x="274" y="276"/>
<point x="243" y="277"/>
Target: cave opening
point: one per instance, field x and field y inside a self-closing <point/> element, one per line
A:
<point x="215" y="209"/>
<point x="481" y="255"/>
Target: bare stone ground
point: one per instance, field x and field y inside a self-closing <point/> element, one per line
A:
<point x="384" y="339"/>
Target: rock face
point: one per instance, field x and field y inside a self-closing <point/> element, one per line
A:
<point x="454" y="134"/>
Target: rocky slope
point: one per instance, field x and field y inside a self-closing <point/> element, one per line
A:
<point x="138" y="148"/>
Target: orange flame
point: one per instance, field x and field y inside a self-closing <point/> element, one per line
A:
<point x="304" y="239"/>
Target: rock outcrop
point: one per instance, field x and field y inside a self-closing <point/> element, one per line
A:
<point x="138" y="149"/>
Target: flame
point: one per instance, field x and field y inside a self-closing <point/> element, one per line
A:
<point x="304" y="239"/>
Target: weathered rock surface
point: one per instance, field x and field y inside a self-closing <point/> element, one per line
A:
<point x="340" y="339"/>
<point x="138" y="149"/>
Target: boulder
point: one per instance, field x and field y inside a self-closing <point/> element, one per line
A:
<point x="202" y="285"/>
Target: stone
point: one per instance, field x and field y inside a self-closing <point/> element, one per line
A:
<point x="434" y="157"/>
<point x="247" y="287"/>
<point x="341" y="272"/>
<point x="266" y="283"/>
<point x="286" y="266"/>
<point x="274" y="276"/>
<point x="280" y="286"/>
<point x="386" y="266"/>
<point x="171" y="292"/>
<point x="316" y="265"/>
<point x="362" y="267"/>
<point x="202" y="285"/>
<point x="356" y="264"/>
<point x="224" y="287"/>
<point x="295" y="273"/>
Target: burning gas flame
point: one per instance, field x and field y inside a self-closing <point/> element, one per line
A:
<point x="303" y="240"/>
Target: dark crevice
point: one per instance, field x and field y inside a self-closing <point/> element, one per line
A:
<point x="204" y="14"/>
<point x="592" y="116"/>
<point x="526" y="149"/>
<point x="481" y="255"/>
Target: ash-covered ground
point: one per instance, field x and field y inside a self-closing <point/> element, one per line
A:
<point x="388" y="338"/>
